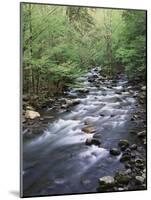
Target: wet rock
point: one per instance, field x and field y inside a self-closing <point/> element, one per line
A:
<point x="107" y="182"/>
<point x="98" y="137"/>
<point x="88" y="122"/>
<point x="133" y="147"/>
<point x="139" y="180"/>
<point x="122" y="178"/>
<point x="48" y="117"/>
<point x="64" y="106"/>
<point x="143" y="88"/>
<point x="141" y="134"/>
<point x="29" y="114"/>
<point x="118" y="92"/>
<point x="126" y="93"/>
<point x="91" y="141"/>
<point x="133" y="155"/>
<point x="72" y="102"/>
<point x="82" y="90"/>
<point x="127" y="166"/>
<point x="23" y="119"/>
<point x="114" y="152"/>
<point x="29" y="108"/>
<point x="89" y="129"/>
<point x="125" y="157"/>
<point x="123" y="144"/>
<point x="139" y="163"/>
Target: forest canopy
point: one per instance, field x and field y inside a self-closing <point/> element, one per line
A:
<point x="60" y="43"/>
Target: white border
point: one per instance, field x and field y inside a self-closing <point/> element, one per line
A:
<point x="9" y="98"/>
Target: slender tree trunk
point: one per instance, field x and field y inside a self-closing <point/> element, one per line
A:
<point x="31" y="51"/>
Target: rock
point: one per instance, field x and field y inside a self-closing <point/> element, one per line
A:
<point x="72" y="102"/>
<point x="125" y="157"/>
<point x="98" y="137"/>
<point x="143" y="88"/>
<point x="129" y="87"/>
<point x="123" y="144"/>
<point x="23" y="119"/>
<point x="139" y="180"/>
<point x="64" y="106"/>
<point x="88" y="122"/>
<point x="114" y="152"/>
<point x="127" y="166"/>
<point x="29" y="108"/>
<point x="29" y="114"/>
<point x="89" y="129"/>
<point x="107" y="181"/>
<point x="122" y="179"/>
<point x="118" y="92"/>
<point x="25" y="97"/>
<point x="144" y="141"/>
<point x="139" y="163"/>
<point x="126" y="93"/>
<point x="141" y="134"/>
<point x="82" y="90"/>
<point x="133" y="147"/>
<point x="91" y="141"/>
<point x="133" y="155"/>
<point x="48" y="117"/>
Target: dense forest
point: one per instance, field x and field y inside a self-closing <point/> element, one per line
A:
<point x="61" y="43"/>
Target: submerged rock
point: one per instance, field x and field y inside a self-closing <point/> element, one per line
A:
<point x="29" y="114"/>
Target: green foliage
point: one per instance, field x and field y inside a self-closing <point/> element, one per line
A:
<point x="132" y="50"/>
<point x="60" y="43"/>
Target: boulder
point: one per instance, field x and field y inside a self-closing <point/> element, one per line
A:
<point x="123" y="144"/>
<point x="139" y="180"/>
<point x="98" y="137"/>
<point x="139" y="163"/>
<point x="89" y="129"/>
<point x="29" y="114"/>
<point x="122" y="179"/>
<point x="125" y="157"/>
<point x="91" y="141"/>
<point x="141" y="134"/>
<point x="114" y="152"/>
<point x="133" y="147"/>
<point x="107" y="182"/>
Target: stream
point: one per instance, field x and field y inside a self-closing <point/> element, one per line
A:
<point x="59" y="162"/>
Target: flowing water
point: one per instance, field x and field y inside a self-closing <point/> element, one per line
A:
<point x="59" y="161"/>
